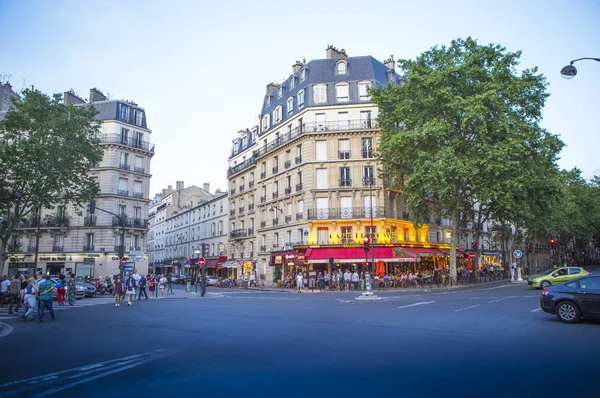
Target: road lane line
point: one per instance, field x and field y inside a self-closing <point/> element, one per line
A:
<point x="468" y="308"/>
<point x="536" y="310"/>
<point x="415" y="304"/>
<point x="500" y="299"/>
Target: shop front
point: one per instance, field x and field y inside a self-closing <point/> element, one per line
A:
<point x="23" y="268"/>
<point x="230" y="269"/>
<point x="290" y="261"/>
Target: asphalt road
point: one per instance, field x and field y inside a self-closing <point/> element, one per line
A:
<point x="485" y="341"/>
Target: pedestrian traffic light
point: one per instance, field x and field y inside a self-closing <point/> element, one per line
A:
<point x="92" y="206"/>
<point x="552" y="242"/>
<point x="366" y="242"/>
<point x="205" y="250"/>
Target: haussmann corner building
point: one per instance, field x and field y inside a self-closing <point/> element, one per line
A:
<point x="304" y="186"/>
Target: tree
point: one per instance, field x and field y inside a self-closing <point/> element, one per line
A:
<point x="461" y="136"/>
<point x="46" y="148"/>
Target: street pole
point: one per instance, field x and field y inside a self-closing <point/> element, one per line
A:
<point x="203" y="273"/>
<point x="37" y="238"/>
<point x="121" y="247"/>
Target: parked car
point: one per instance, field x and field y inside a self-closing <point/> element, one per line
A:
<point x="556" y="276"/>
<point x="88" y="289"/>
<point x="573" y="300"/>
<point x="211" y="280"/>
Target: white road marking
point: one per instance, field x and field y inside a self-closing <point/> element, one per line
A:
<point x="495" y="301"/>
<point x="5" y="330"/>
<point x="536" y="310"/>
<point x="415" y="304"/>
<point x="468" y="308"/>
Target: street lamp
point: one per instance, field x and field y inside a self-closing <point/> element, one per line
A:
<point x="569" y="71"/>
<point x="277" y="210"/>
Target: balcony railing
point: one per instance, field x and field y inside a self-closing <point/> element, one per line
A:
<point x="241" y="210"/>
<point x="346" y="213"/>
<point x="130" y="142"/>
<point x="263" y="199"/>
<point x="275" y="195"/>
<point x="251" y="207"/>
<point x="288" y="219"/>
<point x="119" y="248"/>
<point x="263" y="224"/>
<point x="238" y="233"/>
<point x="124" y="166"/>
<point x="288" y="190"/>
<point x="263" y="174"/>
<point x="241" y="188"/>
<point x="344" y="154"/>
<point x="123" y="192"/>
<point x="56" y="221"/>
<point x="299" y="216"/>
<point x="345" y="182"/>
<point x="405" y="215"/>
<point x="367" y="153"/>
<point x="88" y="248"/>
<point x="28" y="223"/>
<point x="237" y="168"/>
<point x="232" y="191"/>
<point x="232" y="213"/>
<point x="137" y="194"/>
<point x="275" y="170"/>
<point x="250" y="231"/>
<point x="250" y="184"/>
<point x="130" y="222"/>
<point x="89" y="221"/>
<point x="298" y="187"/>
<point x="139" y="169"/>
<point x="263" y="248"/>
<point x="287" y="164"/>
<point x="298" y="159"/>
<point x="316" y="127"/>
<point x="57" y="248"/>
<point x="275" y="221"/>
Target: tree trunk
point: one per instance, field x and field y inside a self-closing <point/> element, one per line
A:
<point x="453" y="242"/>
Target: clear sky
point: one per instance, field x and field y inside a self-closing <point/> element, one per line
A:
<point x="200" y="68"/>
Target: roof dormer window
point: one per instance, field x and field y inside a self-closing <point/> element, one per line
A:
<point x="341" y="68"/>
<point x="292" y="82"/>
<point x="280" y="92"/>
<point x="302" y="75"/>
<point x="268" y="100"/>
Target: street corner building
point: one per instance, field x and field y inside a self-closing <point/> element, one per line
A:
<point x="303" y="185"/>
<point x="90" y="244"/>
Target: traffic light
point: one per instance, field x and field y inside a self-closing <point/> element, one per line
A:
<point x="92" y="206"/>
<point x="205" y="250"/>
<point x="552" y="242"/>
<point x="366" y="242"/>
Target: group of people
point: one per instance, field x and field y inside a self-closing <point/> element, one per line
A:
<point x="34" y="293"/>
<point x="134" y="284"/>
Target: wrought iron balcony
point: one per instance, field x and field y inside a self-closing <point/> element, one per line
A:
<point x="344" y="154"/>
<point x="299" y="216"/>
<point x="56" y="221"/>
<point x="232" y="212"/>
<point x="263" y="199"/>
<point x="137" y="195"/>
<point x="367" y="153"/>
<point x="345" y="182"/>
<point x="124" y="166"/>
<point x="288" y="190"/>
<point x="89" y="220"/>
<point x="241" y="210"/>
<point x="139" y="170"/>
<point x="275" y="221"/>
<point x="88" y="248"/>
<point x="250" y="184"/>
<point x="250" y="231"/>
<point x="346" y="213"/>
<point x="263" y="174"/>
<point x="251" y="207"/>
<point x="139" y="223"/>
<point x="298" y="159"/>
<point x="57" y="248"/>
<point x="28" y="223"/>
<point x="263" y="224"/>
<point x="263" y="248"/>
<point x="287" y="164"/>
<point x="237" y="168"/>
<point x="298" y="187"/>
<point x="238" y="233"/>
<point x="275" y="170"/>
<point x="123" y="192"/>
<point x="275" y="195"/>
<point x="129" y="142"/>
<point x="241" y="188"/>
<point x="232" y="191"/>
<point x="288" y="219"/>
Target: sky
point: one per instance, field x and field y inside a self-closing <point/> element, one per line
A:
<point x="200" y="68"/>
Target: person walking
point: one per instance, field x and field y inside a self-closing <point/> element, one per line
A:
<point x="14" y="291"/>
<point x="299" y="281"/>
<point x="71" y="289"/>
<point x="347" y="279"/>
<point x="30" y="300"/>
<point x="151" y="285"/>
<point x="355" y="279"/>
<point x="61" y="290"/>
<point x="118" y="290"/>
<point x="162" y="281"/>
<point x="129" y="288"/>
<point x="170" y="284"/>
<point x="321" y="281"/>
<point x="4" y="290"/>
<point x="46" y="288"/>
<point x="142" y="288"/>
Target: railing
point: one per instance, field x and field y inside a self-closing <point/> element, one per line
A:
<point x="298" y="159"/>
<point x="275" y="170"/>
<point x="345" y="182"/>
<point x="263" y="248"/>
<point x="288" y="190"/>
<point x="130" y="142"/>
<point x="315" y="127"/>
<point x="344" y="154"/>
<point x="237" y="168"/>
<point x="124" y="166"/>
<point x="367" y="153"/>
<point x="263" y="199"/>
<point x="346" y="213"/>
<point x="119" y="248"/>
<point x="238" y="233"/>
<point x="28" y="223"/>
<point x="137" y="194"/>
<point x="57" y="248"/>
<point x="88" y="248"/>
<point x="263" y="224"/>
<point x="135" y="248"/>
<point x="89" y="221"/>
<point x="139" y="169"/>
<point x="263" y="174"/>
<point x="56" y="221"/>
<point x="287" y="164"/>
<point x="31" y="248"/>
<point x="250" y="231"/>
<point x="130" y="222"/>
<point x="232" y="191"/>
<point x="299" y="216"/>
<point x="288" y="219"/>
<point x="275" y="195"/>
<point x="232" y="213"/>
<point x="298" y="187"/>
<point x="251" y="207"/>
<point x="275" y="221"/>
<point x="241" y="188"/>
<point x="250" y="184"/>
<point x="241" y="210"/>
<point x="122" y="192"/>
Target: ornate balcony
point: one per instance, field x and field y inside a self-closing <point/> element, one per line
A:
<point x="287" y="164"/>
<point x="237" y="168"/>
<point x="298" y="187"/>
<point x="275" y="170"/>
<point x="346" y="213"/>
<point x="263" y="224"/>
<point x="89" y="220"/>
<point x="88" y="248"/>
<point x="275" y="195"/>
<point x="57" y="248"/>
<point x="124" y="166"/>
<point x="345" y="182"/>
<point x="241" y="188"/>
<point x="263" y="199"/>
<point x="298" y="159"/>
<point x="250" y="231"/>
<point x="251" y="207"/>
<point x="288" y="190"/>
<point x="238" y="233"/>
<point x="129" y="142"/>
<point x="275" y="221"/>
<point x="299" y="216"/>
<point x="344" y="154"/>
<point x="288" y="219"/>
<point x="250" y="184"/>
<point x="263" y="174"/>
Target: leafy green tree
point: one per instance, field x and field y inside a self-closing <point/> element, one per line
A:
<point x="46" y="148"/>
<point x="461" y="136"/>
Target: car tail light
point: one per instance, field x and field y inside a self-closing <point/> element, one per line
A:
<point x="545" y="292"/>
<point x="590" y="274"/>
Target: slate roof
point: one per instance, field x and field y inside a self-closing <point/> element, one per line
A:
<point x="109" y="110"/>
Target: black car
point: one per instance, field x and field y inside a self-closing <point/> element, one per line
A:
<point x="573" y="300"/>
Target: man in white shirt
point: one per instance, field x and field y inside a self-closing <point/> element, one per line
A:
<point x="4" y="285"/>
<point x="355" y="280"/>
<point x="347" y="278"/>
<point x="299" y="281"/>
<point x="137" y="277"/>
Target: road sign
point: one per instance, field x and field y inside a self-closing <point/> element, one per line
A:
<point x="201" y="262"/>
<point x="471" y="255"/>
<point x="517" y="254"/>
<point x="124" y="261"/>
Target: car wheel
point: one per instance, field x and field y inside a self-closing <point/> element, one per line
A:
<point x="568" y="312"/>
<point x="545" y="284"/>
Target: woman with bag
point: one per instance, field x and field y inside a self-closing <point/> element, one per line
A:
<point x="129" y="288"/>
<point x="30" y="300"/>
<point x="61" y="290"/>
<point x="118" y="290"/>
<point x="162" y="281"/>
<point x="151" y="285"/>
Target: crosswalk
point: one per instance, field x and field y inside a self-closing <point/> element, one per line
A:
<point x="90" y="302"/>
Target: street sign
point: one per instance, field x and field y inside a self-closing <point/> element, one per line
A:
<point x="201" y="262"/>
<point x="124" y="261"/>
<point x="471" y="255"/>
<point x="517" y="254"/>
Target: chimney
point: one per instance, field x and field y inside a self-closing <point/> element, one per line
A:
<point x="271" y="86"/>
<point x="296" y="67"/>
<point x="206" y="186"/>
<point x="164" y="193"/>
<point x="96" y="95"/>
<point x="333" y="53"/>
<point x="179" y="185"/>
<point x="389" y="63"/>
<point x="69" y="97"/>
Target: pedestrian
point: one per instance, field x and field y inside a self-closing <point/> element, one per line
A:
<point x="492" y="273"/>
<point x="340" y="279"/>
<point x="4" y="290"/>
<point x="299" y="281"/>
<point x="136" y="277"/>
<point x="151" y="285"/>
<point x="118" y="290"/>
<point x="162" y="281"/>
<point x="355" y="279"/>
<point x="30" y="300"/>
<point x="129" y="288"/>
<point x="15" y="294"/>
<point x="71" y="289"/>
<point x="347" y="278"/>
<point x="321" y="280"/>
<point x="61" y="290"/>
<point x="170" y="284"/>
<point x="142" y="288"/>
<point x="46" y="288"/>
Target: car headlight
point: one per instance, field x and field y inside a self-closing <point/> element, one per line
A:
<point x="79" y="288"/>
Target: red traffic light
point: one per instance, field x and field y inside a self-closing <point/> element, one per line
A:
<point x="366" y="240"/>
<point x="552" y="241"/>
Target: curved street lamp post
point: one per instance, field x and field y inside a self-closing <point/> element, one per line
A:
<point x="569" y="71"/>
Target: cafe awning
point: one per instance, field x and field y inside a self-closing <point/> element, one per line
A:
<point x="458" y="252"/>
<point x="212" y="262"/>
<point x="230" y="264"/>
<point x="420" y="251"/>
<point x="347" y="254"/>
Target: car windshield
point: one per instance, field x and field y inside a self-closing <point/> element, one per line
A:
<point x="548" y="272"/>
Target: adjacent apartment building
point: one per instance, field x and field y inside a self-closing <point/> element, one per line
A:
<point x="304" y="189"/>
<point x="89" y="244"/>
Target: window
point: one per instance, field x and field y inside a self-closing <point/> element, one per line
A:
<point x="276" y="239"/>
<point x="137" y="189"/>
<point x="343" y="120"/>
<point x="321" y="150"/>
<point x="290" y="105"/>
<point x="124" y="136"/>
<point x="363" y="91"/>
<point x="303" y="75"/>
<point x="59" y="240"/>
<point x="266" y="122"/>
<point x="365" y="119"/>
<point x="123" y="112"/>
<point x="300" y="99"/>
<point x="123" y="186"/>
<point x="342" y="68"/>
<point x="124" y="160"/>
<point x="121" y="210"/>
<point x="320" y="122"/>
<point x="345" y="180"/>
<point x="367" y="147"/>
<point x="137" y="212"/>
<point x="320" y="93"/>
<point x="346" y="207"/>
<point x="369" y="202"/>
<point x="292" y="82"/>
<point x="268" y="100"/>
<point x="344" y="149"/>
<point x="289" y="236"/>
<point x="139" y="164"/>
<point x="279" y="91"/>
<point x="277" y="115"/>
<point x="323" y="236"/>
<point x="322" y="179"/>
<point x="89" y="241"/>
<point x="346" y="234"/>
<point x="341" y="92"/>
<point x="368" y="176"/>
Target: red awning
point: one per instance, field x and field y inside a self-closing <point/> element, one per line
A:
<point x="212" y="263"/>
<point x="347" y="254"/>
<point x="421" y="251"/>
<point x="458" y="252"/>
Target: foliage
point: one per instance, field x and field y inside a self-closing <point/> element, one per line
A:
<point x="277" y="274"/>
<point x="462" y="134"/>
<point x="46" y="148"/>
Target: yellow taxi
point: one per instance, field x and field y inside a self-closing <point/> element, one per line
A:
<point x="556" y="276"/>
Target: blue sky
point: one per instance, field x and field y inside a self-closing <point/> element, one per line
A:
<point x="200" y="69"/>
